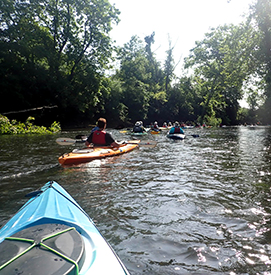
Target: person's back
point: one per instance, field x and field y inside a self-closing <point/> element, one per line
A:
<point x="176" y="129"/>
<point x="156" y="127"/>
<point x="100" y="137"/>
<point x="138" y="128"/>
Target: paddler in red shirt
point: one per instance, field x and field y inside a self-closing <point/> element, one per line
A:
<point x="100" y="138"/>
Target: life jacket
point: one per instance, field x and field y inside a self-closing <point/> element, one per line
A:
<point x="177" y="130"/>
<point x="138" y="129"/>
<point x="98" y="137"/>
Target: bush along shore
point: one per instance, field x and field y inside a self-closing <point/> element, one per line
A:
<point x="14" y="127"/>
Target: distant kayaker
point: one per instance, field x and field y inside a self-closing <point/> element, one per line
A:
<point x="176" y="129"/>
<point x="100" y="138"/>
<point x="155" y="127"/>
<point x="139" y="128"/>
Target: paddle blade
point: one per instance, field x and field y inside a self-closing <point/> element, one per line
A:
<point x="65" y="141"/>
<point x="81" y="137"/>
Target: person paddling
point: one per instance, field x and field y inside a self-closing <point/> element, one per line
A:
<point x="100" y="138"/>
<point x="139" y="128"/>
<point x="155" y="127"/>
<point x="176" y="129"/>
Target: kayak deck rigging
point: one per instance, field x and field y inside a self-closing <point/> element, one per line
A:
<point x="52" y="234"/>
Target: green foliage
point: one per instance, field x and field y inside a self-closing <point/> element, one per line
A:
<point x="212" y="121"/>
<point x="243" y="116"/>
<point x="261" y="20"/>
<point x="222" y="65"/>
<point x="58" y="53"/>
<point x="135" y="78"/>
<point x="55" y="127"/>
<point x="15" y="127"/>
<point x="169" y="67"/>
<point x="54" y="52"/>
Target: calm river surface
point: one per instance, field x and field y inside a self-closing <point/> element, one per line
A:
<point x="198" y="206"/>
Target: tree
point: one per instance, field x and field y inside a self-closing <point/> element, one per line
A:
<point x="184" y="100"/>
<point x="261" y="13"/>
<point x="169" y="66"/>
<point x="156" y="82"/>
<point x="221" y="63"/>
<point x="62" y="45"/>
<point x="135" y="77"/>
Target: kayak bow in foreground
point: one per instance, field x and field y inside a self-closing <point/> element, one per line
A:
<point x="52" y="234"/>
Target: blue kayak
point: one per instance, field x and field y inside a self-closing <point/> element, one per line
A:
<point x="52" y="234"/>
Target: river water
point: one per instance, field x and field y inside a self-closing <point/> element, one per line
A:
<point x="198" y="206"/>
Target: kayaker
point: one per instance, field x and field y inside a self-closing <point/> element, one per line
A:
<point x="176" y="129"/>
<point x="138" y="128"/>
<point x="100" y="138"/>
<point x="94" y="129"/>
<point x="155" y="127"/>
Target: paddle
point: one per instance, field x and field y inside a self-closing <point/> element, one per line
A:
<point x="81" y="137"/>
<point x="70" y="141"/>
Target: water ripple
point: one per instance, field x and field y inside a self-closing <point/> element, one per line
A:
<point x="199" y="206"/>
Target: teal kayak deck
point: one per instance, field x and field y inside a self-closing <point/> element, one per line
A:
<point x="53" y="205"/>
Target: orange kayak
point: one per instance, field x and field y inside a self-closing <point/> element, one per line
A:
<point x="153" y="132"/>
<point x="88" y="154"/>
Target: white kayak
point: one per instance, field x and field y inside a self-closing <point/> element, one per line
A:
<point x="176" y="136"/>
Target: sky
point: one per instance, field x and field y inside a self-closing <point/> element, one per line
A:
<point x="183" y="21"/>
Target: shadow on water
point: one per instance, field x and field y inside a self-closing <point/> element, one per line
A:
<point x="197" y="206"/>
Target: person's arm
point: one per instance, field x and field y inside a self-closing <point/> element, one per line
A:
<point x="89" y="140"/>
<point x="109" y="140"/>
<point x="116" y="144"/>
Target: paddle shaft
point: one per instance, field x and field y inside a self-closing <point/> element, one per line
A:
<point x="70" y="141"/>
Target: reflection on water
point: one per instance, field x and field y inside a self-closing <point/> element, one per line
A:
<point x="197" y="206"/>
